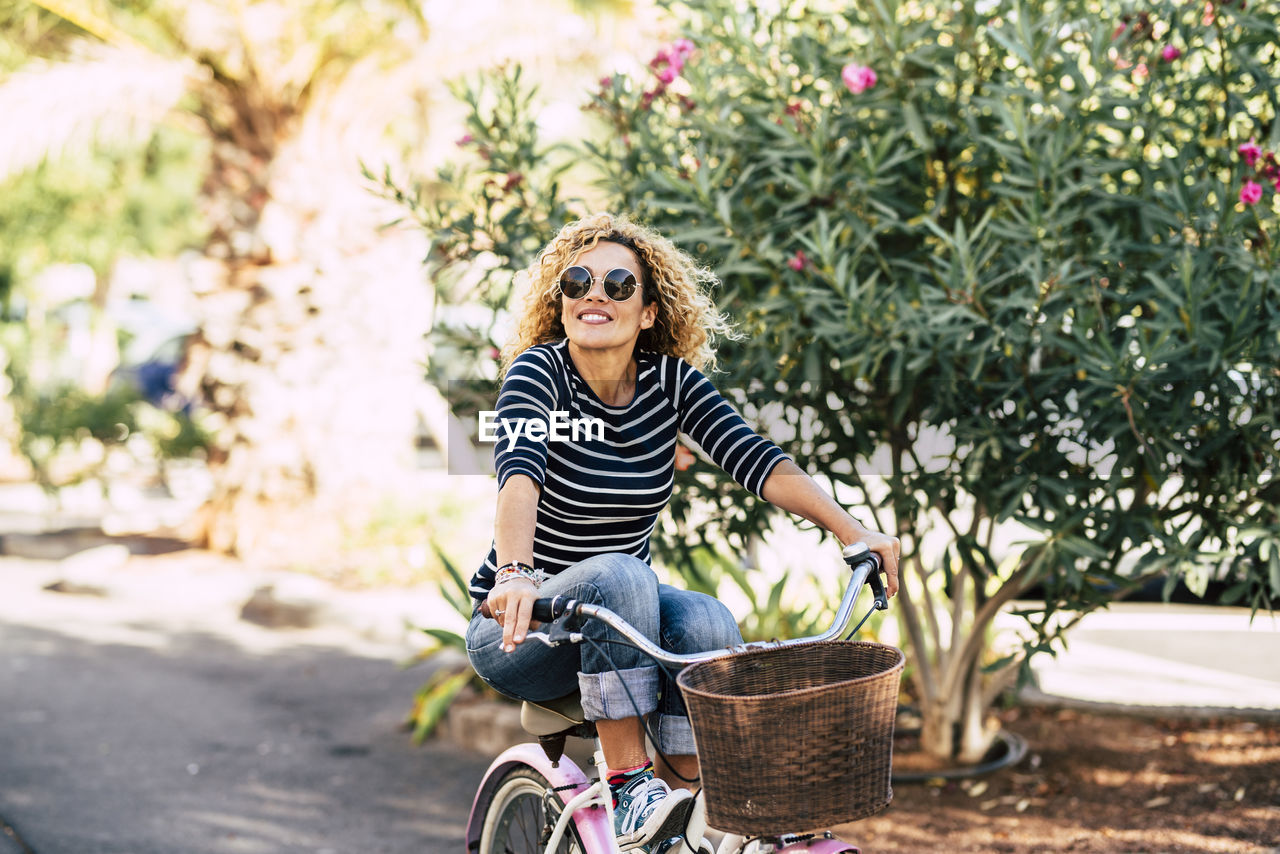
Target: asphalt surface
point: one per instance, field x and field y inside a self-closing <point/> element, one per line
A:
<point x="1192" y="659"/>
<point x="154" y="720"/>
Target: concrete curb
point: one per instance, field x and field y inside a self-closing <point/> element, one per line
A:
<point x="1032" y="696"/>
<point x="196" y="586"/>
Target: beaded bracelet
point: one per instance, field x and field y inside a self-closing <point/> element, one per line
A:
<point x="515" y="569"/>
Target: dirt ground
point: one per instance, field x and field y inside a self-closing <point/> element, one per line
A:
<point x="1100" y="782"/>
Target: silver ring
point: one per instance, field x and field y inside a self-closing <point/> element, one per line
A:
<point x="499" y="612"/>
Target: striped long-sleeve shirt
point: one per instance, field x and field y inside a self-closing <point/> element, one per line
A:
<point x="603" y="494"/>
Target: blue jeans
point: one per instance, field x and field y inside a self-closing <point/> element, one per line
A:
<point x="677" y="620"/>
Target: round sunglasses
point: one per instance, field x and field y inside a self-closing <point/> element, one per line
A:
<point x="619" y="283"/>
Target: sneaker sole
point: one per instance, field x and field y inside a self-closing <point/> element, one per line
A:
<point x="672" y="825"/>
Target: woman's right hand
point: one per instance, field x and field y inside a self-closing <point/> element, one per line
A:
<point x="511" y="604"/>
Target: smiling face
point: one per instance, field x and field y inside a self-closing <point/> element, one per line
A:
<point x="598" y="324"/>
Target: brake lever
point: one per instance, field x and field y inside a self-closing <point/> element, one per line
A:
<point x="554" y="634"/>
<point x="542" y="636"/>
<point x="877" y="589"/>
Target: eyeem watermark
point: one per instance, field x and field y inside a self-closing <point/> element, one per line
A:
<point x="561" y="428"/>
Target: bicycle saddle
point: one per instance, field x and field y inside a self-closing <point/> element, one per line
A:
<point x="550" y="717"/>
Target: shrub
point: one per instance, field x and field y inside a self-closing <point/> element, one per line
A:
<point x="1007" y="273"/>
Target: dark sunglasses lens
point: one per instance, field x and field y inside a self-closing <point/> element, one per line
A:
<point x="575" y="282"/>
<point x="619" y="284"/>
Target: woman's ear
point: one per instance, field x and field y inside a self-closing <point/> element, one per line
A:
<point x="649" y="315"/>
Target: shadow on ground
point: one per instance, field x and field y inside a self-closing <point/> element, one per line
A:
<point x="188" y="742"/>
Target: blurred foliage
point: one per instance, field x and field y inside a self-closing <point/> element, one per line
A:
<point x="386" y="546"/>
<point x="95" y="207"/>
<point x="1011" y="286"/>
<point x="91" y="209"/>
<point x="453" y="678"/>
<point x="28" y="30"/>
<point x="487" y="216"/>
<point x="69" y="435"/>
<point x="795" y="605"/>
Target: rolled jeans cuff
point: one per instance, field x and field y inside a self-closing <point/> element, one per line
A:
<point x="675" y="735"/>
<point x="604" y="695"/>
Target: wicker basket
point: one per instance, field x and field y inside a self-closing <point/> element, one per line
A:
<point x="795" y="738"/>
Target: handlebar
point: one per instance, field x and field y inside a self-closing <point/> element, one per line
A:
<point x="864" y="565"/>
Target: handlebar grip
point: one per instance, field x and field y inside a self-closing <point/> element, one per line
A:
<point x="857" y="554"/>
<point x="549" y="610"/>
<point x="544" y="610"/>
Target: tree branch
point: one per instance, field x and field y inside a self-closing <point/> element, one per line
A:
<point x="976" y="641"/>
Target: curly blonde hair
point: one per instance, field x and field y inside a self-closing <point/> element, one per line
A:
<point x="687" y="324"/>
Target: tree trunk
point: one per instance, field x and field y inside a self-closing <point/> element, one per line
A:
<point x="975" y="734"/>
<point x="308" y="353"/>
<point x="937" y="731"/>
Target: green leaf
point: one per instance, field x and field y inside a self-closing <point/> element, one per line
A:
<point x="434" y="699"/>
<point x="915" y="126"/>
<point x="445" y="638"/>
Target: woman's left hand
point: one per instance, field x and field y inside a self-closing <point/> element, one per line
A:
<point x="890" y="551"/>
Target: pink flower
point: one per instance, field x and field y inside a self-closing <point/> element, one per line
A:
<point x="859" y="78"/>
<point x="494" y="353"/>
<point x="798" y="261"/>
<point x="1140" y="70"/>
<point x="1250" y="152"/>
<point x="669" y="61"/>
<point x="1170" y="53"/>
<point x="1250" y="193"/>
<point x="466" y="140"/>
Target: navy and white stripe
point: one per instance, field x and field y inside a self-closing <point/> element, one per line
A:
<point x="605" y="496"/>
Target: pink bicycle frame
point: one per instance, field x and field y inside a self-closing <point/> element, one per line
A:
<point x="593" y="825"/>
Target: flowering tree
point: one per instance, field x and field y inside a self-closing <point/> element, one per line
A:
<point x="1007" y="276"/>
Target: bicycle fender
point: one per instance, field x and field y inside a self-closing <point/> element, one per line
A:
<point x="591" y="824"/>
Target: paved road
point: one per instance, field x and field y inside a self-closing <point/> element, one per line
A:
<point x="1150" y="656"/>
<point x="155" y="721"/>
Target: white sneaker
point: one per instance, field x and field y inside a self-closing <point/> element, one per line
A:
<point x="693" y="839"/>
<point x="648" y="810"/>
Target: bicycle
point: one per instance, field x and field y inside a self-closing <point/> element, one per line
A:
<point x="534" y="800"/>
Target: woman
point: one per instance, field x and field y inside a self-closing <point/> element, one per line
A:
<point x="616" y="326"/>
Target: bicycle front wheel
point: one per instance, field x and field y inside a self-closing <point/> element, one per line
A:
<point x="516" y="817"/>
